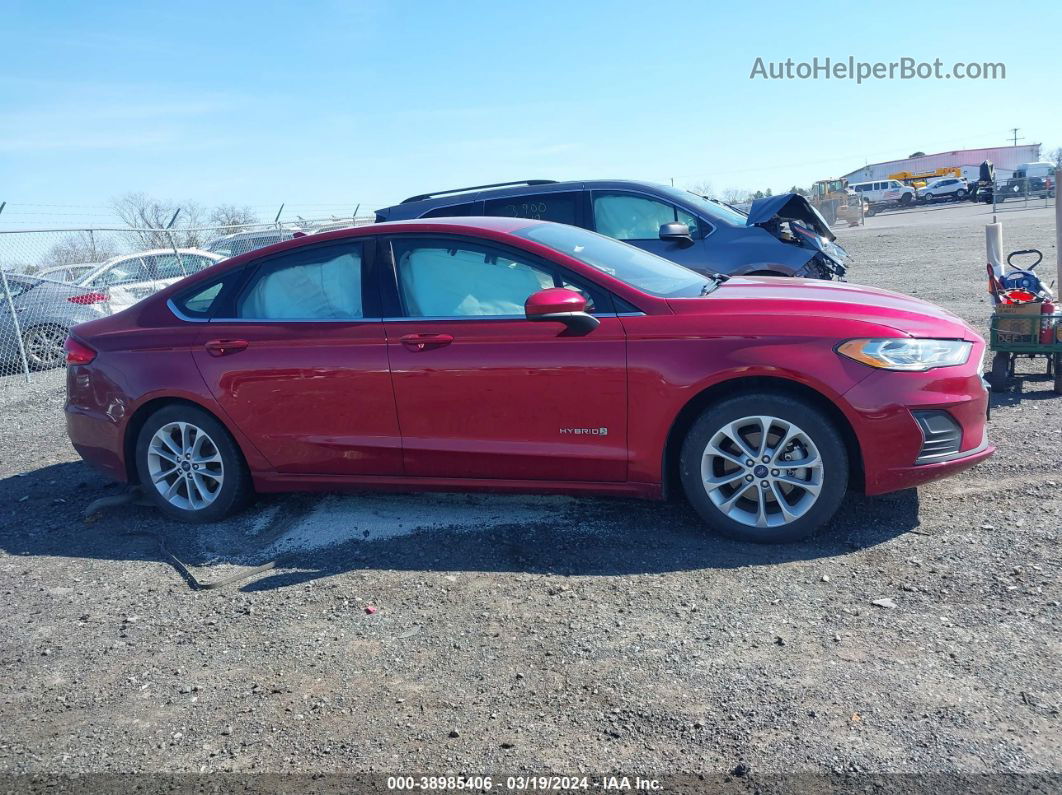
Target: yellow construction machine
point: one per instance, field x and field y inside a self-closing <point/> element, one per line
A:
<point x="835" y="201"/>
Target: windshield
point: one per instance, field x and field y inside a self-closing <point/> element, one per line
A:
<point x="640" y="269"/>
<point x="708" y="207"/>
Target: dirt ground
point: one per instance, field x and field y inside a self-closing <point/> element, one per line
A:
<point x="545" y="634"/>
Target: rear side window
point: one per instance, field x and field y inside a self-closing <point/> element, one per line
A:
<point x="450" y="211"/>
<point x="319" y="284"/>
<point x="170" y="266"/>
<point x="127" y="271"/>
<point x="558" y="207"/>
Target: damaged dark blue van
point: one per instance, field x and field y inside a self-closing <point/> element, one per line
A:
<point x="780" y="236"/>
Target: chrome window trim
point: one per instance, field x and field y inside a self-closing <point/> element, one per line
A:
<point x="406" y="319"/>
<point x="348" y="320"/>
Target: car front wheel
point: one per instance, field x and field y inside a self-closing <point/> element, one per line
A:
<point x="764" y="468"/>
<point x="189" y="465"/>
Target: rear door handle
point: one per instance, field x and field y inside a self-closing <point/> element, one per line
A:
<point x="225" y="347"/>
<point x="425" y="342"/>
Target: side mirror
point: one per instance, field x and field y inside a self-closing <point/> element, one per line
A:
<point x="560" y="305"/>
<point x="676" y="233"/>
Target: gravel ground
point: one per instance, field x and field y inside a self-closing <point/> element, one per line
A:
<point x="436" y="633"/>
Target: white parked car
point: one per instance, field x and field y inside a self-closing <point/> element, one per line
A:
<point x="124" y="280"/>
<point x="885" y="191"/>
<point x="241" y="242"/>
<point x="944" y="188"/>
<point x="67" y="273"/>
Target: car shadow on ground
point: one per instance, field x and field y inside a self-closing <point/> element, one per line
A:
<point x="325" y="535"/>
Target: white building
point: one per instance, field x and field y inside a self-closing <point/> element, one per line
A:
<point x="1004" y="158"/>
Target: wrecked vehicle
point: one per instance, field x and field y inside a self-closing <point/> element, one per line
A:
<point x="780" y="236"/>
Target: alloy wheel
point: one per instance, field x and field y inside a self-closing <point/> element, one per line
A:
<point x="762" y="471"/>
<point x="185" y="466"/>
<point x="44" y="346"/>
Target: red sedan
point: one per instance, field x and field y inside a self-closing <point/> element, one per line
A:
<point x="513" y="355"/>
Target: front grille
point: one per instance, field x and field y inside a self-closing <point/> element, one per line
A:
<point x="941" y="435"/>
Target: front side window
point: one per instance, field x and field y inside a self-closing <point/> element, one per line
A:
<point x="625" y="216"/>
<point x="443" y="279"/>
<point x="319" y="284"/>
<point x="559" y="207"/>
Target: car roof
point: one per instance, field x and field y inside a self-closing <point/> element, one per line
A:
<point x="482" y="192"/>
<point x="89" y="275"/>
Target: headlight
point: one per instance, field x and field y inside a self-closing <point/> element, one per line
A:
<point x="907" y="354"/>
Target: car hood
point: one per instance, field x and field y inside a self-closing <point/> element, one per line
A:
<point x="789" y="206"/>
<point x="766" y="295"/>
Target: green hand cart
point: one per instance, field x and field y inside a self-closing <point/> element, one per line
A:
<point x="1019" y="331"/>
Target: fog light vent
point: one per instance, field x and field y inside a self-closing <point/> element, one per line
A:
<point x="941" y="435"/>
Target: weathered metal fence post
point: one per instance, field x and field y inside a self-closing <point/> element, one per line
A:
<point x="1058" y="234"/>
<point x="14" y="315"/>
<point x="173" y="243"/>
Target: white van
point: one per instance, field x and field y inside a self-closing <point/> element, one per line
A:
<point x="885" y="191"/>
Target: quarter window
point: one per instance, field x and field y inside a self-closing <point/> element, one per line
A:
<point x="624" y="216"/>
<point x="453" y="210"/>
<point x="320" y="284"/>
<point x="199" y="303"/>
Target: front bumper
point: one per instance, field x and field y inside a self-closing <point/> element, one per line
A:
<point x="890" y="437"/>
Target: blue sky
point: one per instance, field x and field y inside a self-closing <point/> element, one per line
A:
<point x="325" y="105"/>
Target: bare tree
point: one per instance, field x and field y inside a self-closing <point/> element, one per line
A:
<point x="79" y="247"/>
<point x="735" y="195"/>
<point x="147" y="219"/>
<point x="234" y="218"/>
<point x="1055" y="156"/>
<point x="702" y="188"/>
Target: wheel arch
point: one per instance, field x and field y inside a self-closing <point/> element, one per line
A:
<point x="144" y="412"/>
<point x="744" y="385"/>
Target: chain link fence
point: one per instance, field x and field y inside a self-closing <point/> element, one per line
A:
<point x="53" y="279"/>
<point x="1021" y="191"/>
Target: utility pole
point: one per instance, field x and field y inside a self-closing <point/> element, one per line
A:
<point x="1014" y="132"/>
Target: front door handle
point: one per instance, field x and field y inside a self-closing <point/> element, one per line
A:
<point x="425" y="342"/>
<point x="225" y="347"/>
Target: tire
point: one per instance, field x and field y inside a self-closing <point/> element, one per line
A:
<point x="728" y="507"/>
<point x="906" y="199"/>
<point x="221" y="487"/>
<point x="928" y="198"/>
<point x="960" y="195"/>
<point x="44" y="346"/>
<point x="999" y="374"/>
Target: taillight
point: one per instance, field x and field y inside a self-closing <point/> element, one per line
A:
<point x="78" y="352"/>
<point x="89" y="298"/>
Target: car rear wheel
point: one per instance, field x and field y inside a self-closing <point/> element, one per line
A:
<point x="189" y="465"/>
<point x="928" y="198"/>
<point x="764" y="468"/>
<point x="44" y="346"/>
